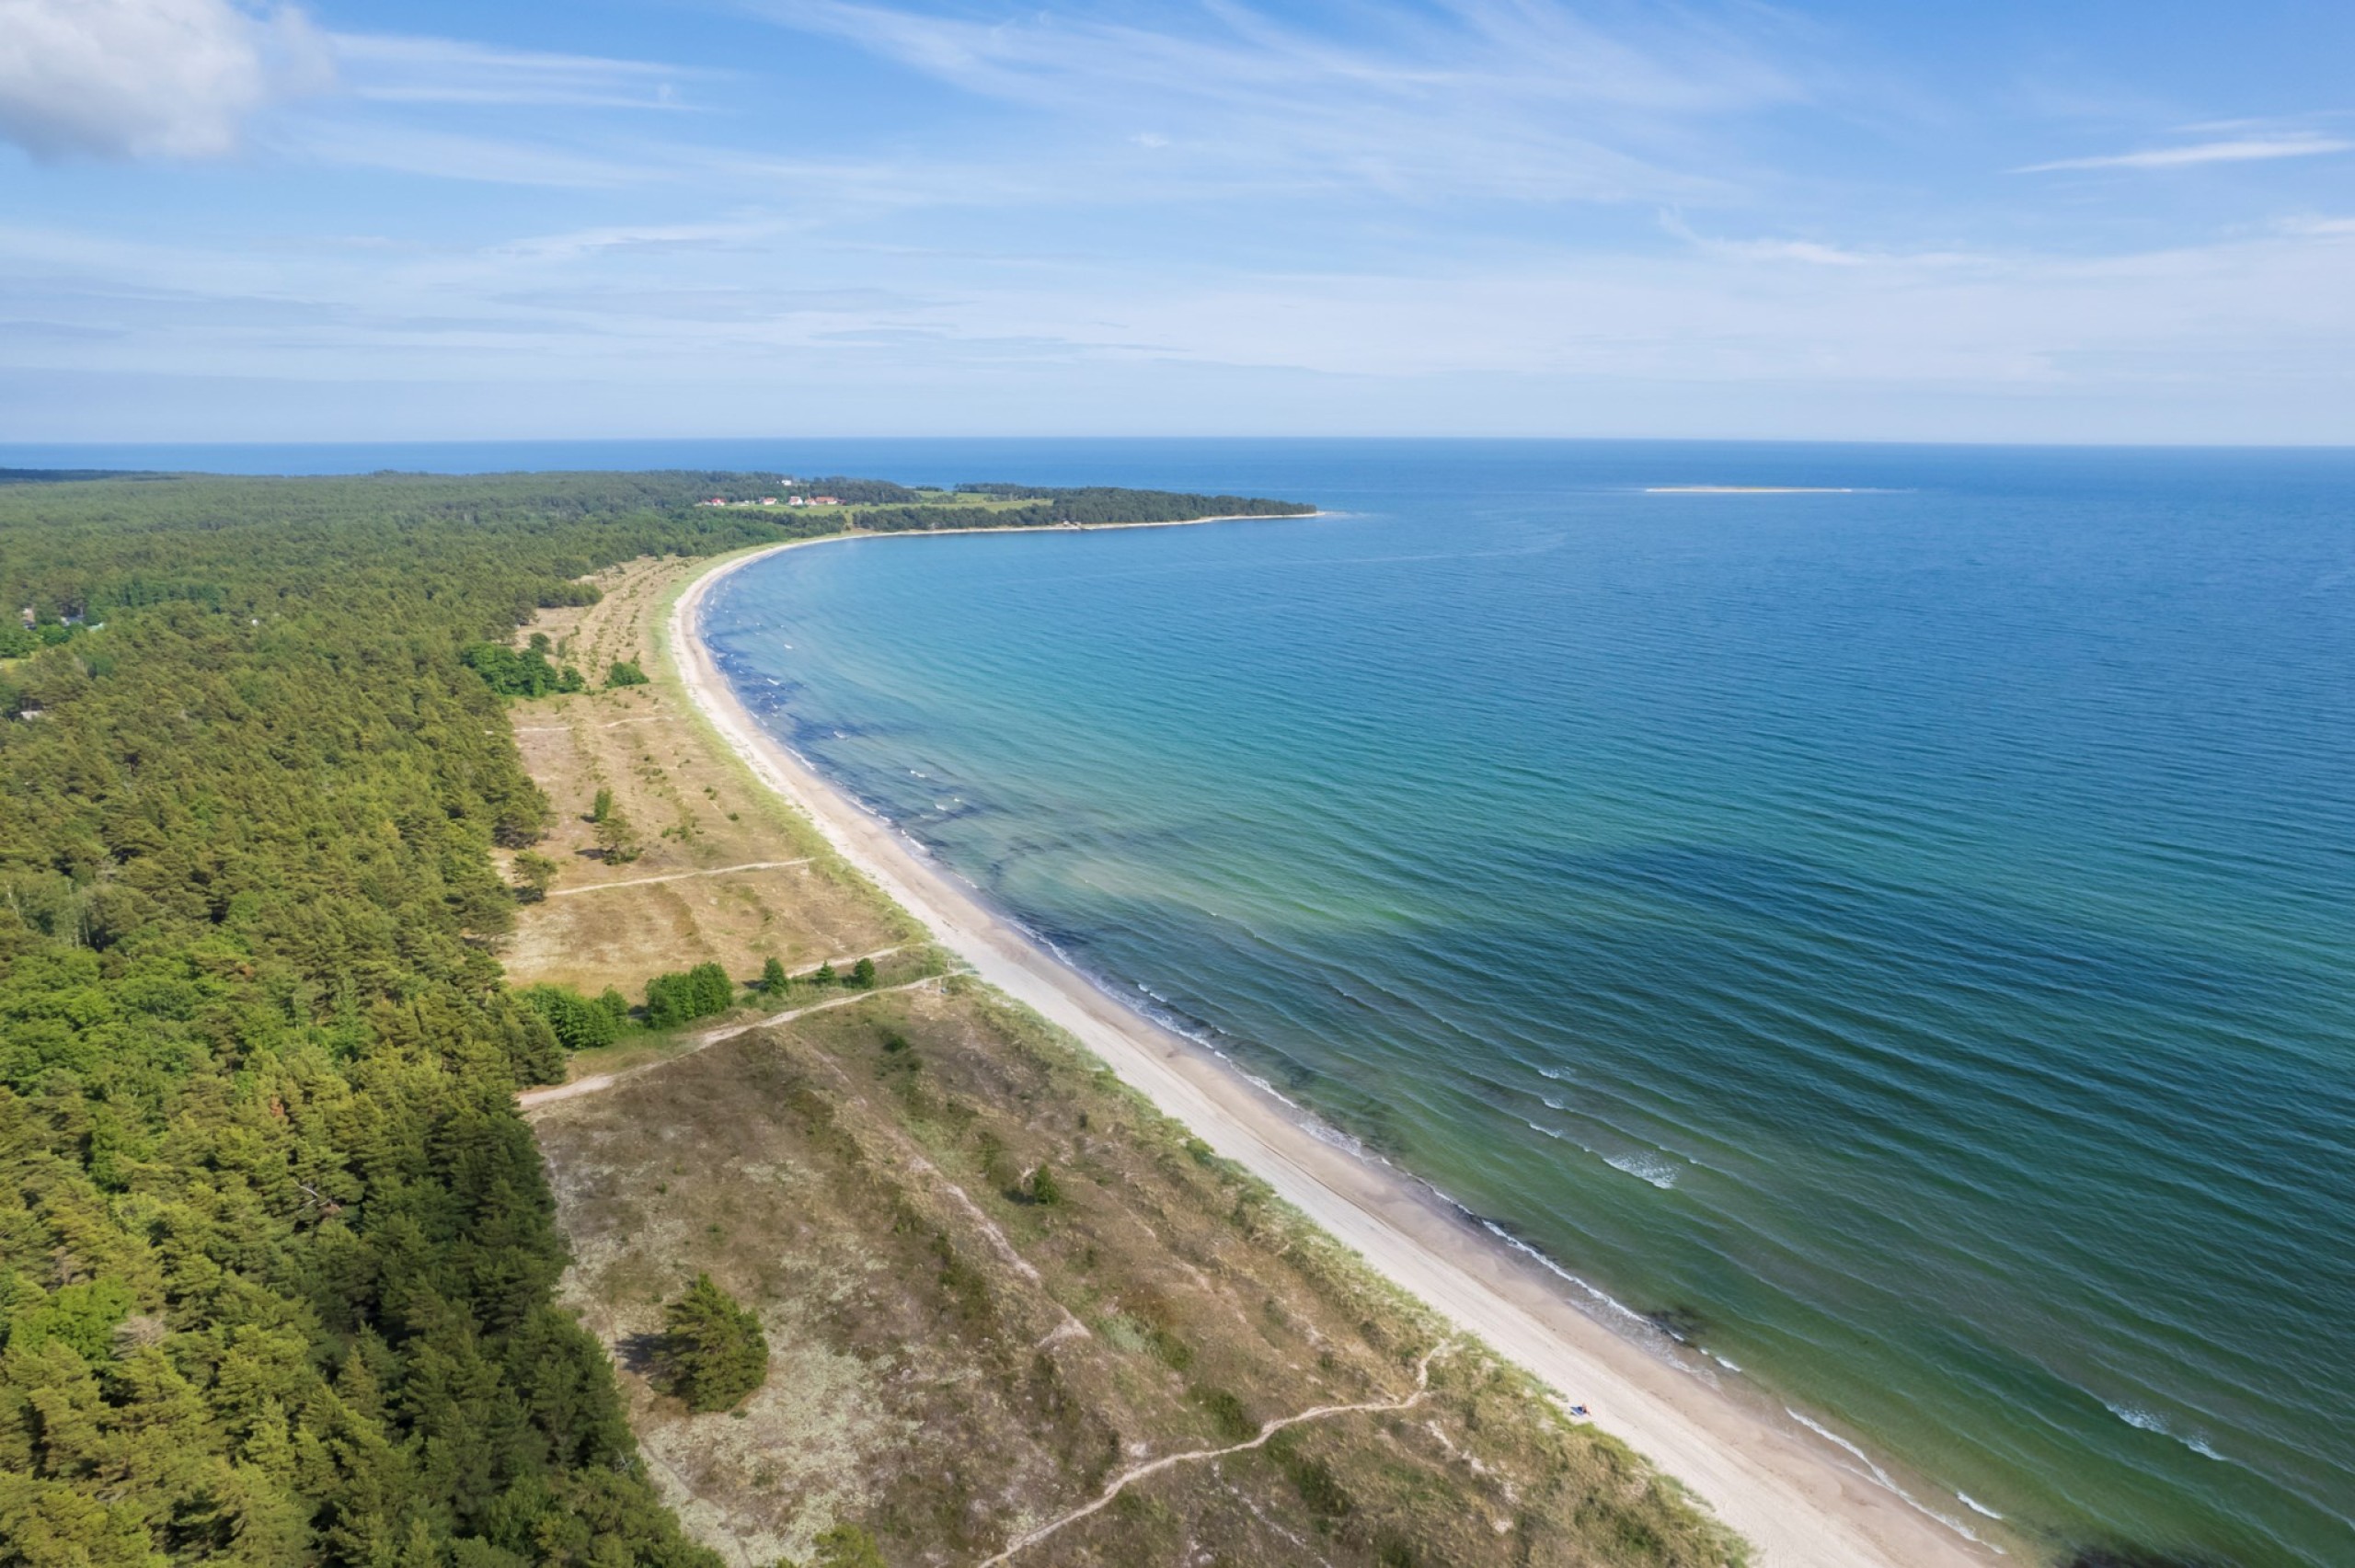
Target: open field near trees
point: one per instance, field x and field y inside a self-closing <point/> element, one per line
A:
<point x="726" y="874"/>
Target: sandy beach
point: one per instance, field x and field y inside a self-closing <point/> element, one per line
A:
<point x="1801" y="1501"/>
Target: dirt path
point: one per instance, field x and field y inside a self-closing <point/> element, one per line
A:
<point x="531" y="1098"/>
<point x="1170" y="1462"/>
<point x="675" y="877"/>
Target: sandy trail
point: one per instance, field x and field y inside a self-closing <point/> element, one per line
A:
<point x="1170" y="1462"/>
<point x="1800" y="1500"/>
<point x="672" y="876"/>
<point x="597" y="1083"/>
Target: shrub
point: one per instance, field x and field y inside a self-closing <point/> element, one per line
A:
<point x="1311" y="1477"/>
<point x="615" y="837"/>
<point x="713" y="1352"/>
<point x="1227" y="1412"/>
<point x="774" y="979"/>
<point x="847" y="1546"/>
<point x="675" y="999"/>
<point x="513" y="674"/>
<point x="580" y="1023"/>
<point x="862" y="974"/>
<point x="625" y="672"/>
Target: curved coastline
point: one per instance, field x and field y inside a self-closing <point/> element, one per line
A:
<point x="1802" y="1496"/>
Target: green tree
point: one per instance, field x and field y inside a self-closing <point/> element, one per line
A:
<point x="603" y="807"/>
<point x="713" y="1352"/>
<point x="616" y="840"/>
<point x="862" y="974"/>
<point x="775" y="981"/>
<point x="580" y="1023"/>
<point x="825" y="975"/>
<point x="625" y="672"/>
<point x="681" y="998"/>
<point x="714" y="991"/>
<point x="533" y="872"/>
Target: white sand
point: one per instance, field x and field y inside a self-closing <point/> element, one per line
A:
<point x="1802" y="1502"/>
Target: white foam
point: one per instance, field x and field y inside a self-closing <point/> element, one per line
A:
<point x="1334" y="1136"/>
<point x="1728" y="1366"/>
<point x="2143" y="1420"/>
<point x="1546" y="1130"/>
<point x="1659" y="1171"/>
<point x="1890" y="1482"/>
<point x="1976" y="1507"/>
<point x="1602" y="1298"/>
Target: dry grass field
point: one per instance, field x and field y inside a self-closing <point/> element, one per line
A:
<point x="967" y="1354"/>
<point x="726" y="872"/>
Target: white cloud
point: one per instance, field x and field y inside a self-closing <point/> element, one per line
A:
<point x="145" y="78"/>
<point x="2238" y="150"/>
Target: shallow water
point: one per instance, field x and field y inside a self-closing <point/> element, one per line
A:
<point x="1900" y="937"/>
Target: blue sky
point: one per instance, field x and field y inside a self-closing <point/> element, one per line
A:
<point x="2046" y="221"/>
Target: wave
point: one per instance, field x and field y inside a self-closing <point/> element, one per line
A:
<point x="1602" y="1298"/>
<point x="2144" y="1420"/>
<point x="1889" y="1483"/>
<point x="1660" y="1171"/>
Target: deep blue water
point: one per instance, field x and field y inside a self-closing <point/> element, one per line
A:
<point x="1900" y="938"/>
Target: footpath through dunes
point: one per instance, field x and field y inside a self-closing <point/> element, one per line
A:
<point x="998" y="1286"/>
<point x="1800" y="1500"/>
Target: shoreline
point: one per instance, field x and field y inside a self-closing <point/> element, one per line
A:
<point x="1799" y="1501"/>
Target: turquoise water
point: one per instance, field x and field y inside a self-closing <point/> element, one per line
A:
<point x="1901" y="939"/>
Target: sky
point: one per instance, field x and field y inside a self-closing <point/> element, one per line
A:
<point x="2014" y="219"/>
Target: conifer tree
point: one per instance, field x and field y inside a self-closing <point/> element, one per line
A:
<point x="713" y="1352"/>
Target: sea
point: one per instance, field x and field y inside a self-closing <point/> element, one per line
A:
<point x="1880" y="919"/>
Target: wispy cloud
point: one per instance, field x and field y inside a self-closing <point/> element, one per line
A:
<point x="443" y="154"/>
<point x="2234" y="149"/>
<point x="1480" y="97"/>
<point x="392" y="68"/>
